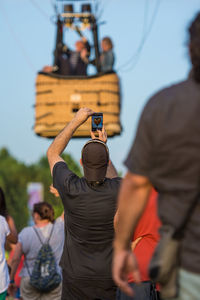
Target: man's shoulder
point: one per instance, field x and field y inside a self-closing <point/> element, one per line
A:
<point x="60" y="164"/>
<point x="113" y="181"/>
<point x="61" y="168"/>
<point x="116" y="179"/>
<point x="168" y="93"/>
<point x="164" y="99"/>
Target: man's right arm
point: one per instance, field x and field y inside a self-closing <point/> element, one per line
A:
<point x="61" y="141"/>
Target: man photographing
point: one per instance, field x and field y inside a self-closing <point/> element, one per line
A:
<point x="89" y="205"/>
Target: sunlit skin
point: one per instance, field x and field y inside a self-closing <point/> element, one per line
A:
<point x="132" y="199"/>
<point x="105" y="46"/>
<point x="79" y="46"/>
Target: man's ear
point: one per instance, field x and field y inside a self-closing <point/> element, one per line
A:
<point x="81" y="163"/>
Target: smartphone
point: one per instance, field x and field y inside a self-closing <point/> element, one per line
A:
<point x="97" y="121"/>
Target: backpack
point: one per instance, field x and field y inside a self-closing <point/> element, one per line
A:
<point x="44" y="276"/>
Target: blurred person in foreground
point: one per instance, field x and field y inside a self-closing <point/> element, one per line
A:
<point x="165" y="154"/>
<point x="145" y="239"/>
<point x="31" y="238"/>
<point x="89" y="206"/>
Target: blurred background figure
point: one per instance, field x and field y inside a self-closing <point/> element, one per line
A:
<point x="30" y="243"/>
<point x="4" y="212"/>
<point x="7" y="233"/>
<point x="107" y="58"/>
<point x="107" y="55"/>
<point x="71" y="62"/>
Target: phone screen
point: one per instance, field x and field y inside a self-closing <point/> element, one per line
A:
<point x="97" y="121"/>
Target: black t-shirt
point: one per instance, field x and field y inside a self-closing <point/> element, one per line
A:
<point x="89" y="213"/>
<point x="167" y="151"/>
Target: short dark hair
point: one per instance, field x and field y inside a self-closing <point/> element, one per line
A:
<point x="44" y="210"/>
<point x="194" y="36"/>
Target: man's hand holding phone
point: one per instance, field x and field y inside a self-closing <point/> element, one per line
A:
<point x="102" y="135"/>
<point x="97" y="121"/>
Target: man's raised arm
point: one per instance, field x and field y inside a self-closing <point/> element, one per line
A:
<point x="60" y="142"/>
<point x="102" y="136"/>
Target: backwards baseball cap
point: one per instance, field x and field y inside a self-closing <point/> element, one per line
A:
<point x="95" y="158"/>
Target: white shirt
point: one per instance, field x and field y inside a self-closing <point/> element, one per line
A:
<point x="4" y="232"/>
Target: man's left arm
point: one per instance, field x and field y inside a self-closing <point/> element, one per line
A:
<point x="61" y="141"/>
<point x="102" y="136"/>
<point x="133" y="197"/>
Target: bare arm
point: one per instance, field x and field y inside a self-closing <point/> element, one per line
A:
<point x="61" y="141"/>
<point x="54" y="191"/>
<point x="15" y="260"/>
<point x="133" y="196"/>
<point x="12" y="237"/>
<point x="132" y="199"/>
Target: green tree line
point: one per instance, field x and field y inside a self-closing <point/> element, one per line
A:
<point x="14" y="177"/>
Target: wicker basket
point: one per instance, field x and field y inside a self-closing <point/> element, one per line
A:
<point x="58" y="98"/>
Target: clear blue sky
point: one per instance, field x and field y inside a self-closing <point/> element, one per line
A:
<point x="27" y="43"/>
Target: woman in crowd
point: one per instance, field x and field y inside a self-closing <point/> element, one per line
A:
<point x="30" y="241"/>
<point x="6" y="234"/>
<point x="5" y="214"/>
